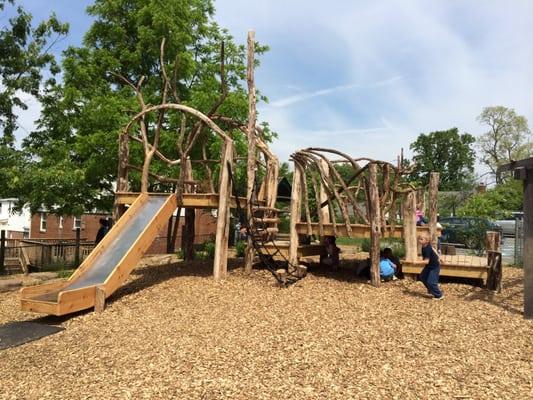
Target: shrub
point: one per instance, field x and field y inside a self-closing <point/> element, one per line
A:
<point x="209" y="248"/>
<point x="365" y="245"/>
<point x="240" y="247"/>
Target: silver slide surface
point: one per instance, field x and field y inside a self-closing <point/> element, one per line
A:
<point x="106" y="262"/>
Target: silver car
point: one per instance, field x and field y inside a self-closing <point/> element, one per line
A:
<point x="508" y="225"/>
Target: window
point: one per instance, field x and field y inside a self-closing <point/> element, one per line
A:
<point x="77" y="222"/>
<point x="42" y="226"/>
<point x="61" y="222"/>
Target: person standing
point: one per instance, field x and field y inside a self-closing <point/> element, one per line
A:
<point x="430" y="273"/>
<point x="104" y="227"/>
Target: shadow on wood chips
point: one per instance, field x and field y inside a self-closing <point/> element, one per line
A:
<point x="16" y="333"/>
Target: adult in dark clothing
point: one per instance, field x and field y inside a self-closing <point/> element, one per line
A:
<point x="104" y="227"/>
<point x="430" y="273"/>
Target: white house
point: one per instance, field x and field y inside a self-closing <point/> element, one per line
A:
<point x="16" y="224"/>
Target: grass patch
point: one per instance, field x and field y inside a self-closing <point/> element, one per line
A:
<point x="65" y="273"/>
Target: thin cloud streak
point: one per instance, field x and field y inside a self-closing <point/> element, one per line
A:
<point x="336" y="89"/>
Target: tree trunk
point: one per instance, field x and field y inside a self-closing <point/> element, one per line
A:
<point x="375" y="227"/>
<point x="409" y="226"/>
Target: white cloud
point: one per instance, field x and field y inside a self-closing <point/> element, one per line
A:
<point x="453" y="57"/>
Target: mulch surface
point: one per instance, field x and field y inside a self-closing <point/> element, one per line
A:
<point x="173" y="332"/>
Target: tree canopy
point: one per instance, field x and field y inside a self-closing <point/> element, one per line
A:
<point x="507" y="138"/>
<point x="26" y="54"/>
<point x="75" y="146"/>
<point x="447" y="152"/>
<point x="497" y="202"/>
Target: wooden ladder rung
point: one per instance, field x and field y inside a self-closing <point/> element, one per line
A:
<point x="267" y="220"/>
<point x="263" y="208"/>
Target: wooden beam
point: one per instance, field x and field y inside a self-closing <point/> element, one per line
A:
<point x="191" y="200"/>
<point x="357" y="230"/>
<point x="526" y="163"/>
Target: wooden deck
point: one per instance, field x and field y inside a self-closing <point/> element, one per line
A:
<point x="190" y="200"/>
<point x="358" y="230"/>
<point x="460" y="266"/>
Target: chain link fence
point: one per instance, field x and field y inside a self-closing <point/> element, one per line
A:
<point x="519" y="241"/>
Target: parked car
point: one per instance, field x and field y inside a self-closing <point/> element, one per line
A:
<point x="508" y="225"/>
<point x="466" y="231"/>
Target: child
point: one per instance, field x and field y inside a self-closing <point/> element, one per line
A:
<point x="387" y="253"/>
<point x="430" y="273"/>
<point x="387" y="269"/>
<point x="331" y="255"/>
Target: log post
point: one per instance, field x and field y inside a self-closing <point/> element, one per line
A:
<point x="324" y="211"/>
<point x="409" y="226"/>
<point x="249" y="253"/>
<point x="494" y="276"/>
<point x="433" y="206"/>
<point x="295" y="213"/>
<point x="375" y="226"/>
<point x="528" y="244"/>
<point x="220" y="264"/>
<point x="99" y="299"/>
<point x="2" y="251"/>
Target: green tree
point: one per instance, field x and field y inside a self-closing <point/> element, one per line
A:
<point x="498" y="202"/>
<point x="447" y="152"/>
<point x="508" y="137"/>
<point x="25" y="50"/>
<point x="76" y="143"/>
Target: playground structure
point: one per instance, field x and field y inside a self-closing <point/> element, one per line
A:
<point x="146" y="135"/>
<point x="365" y="202"/>
<point x="363" y="205"/>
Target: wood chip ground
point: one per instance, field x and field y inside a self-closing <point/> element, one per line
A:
<point x="173" y="332"/>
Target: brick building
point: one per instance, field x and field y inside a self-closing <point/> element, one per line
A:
<point x="53" y="227"/>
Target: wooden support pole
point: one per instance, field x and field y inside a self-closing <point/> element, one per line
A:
<point x="528" y="244"/>
<point x="433" y="206"/>
<point x="2" y="251"/>
<point x="99" y="299"/>
<point x="295" y="213"/>
<point x="324" y="211"/>
<point x="375" y="218"/>
<point x="77" y="250"/>
<point x="220" y="264"/>
<point x="409" y="226"/>
<point x="494" y="261"/>
<point x="250" y="169"/>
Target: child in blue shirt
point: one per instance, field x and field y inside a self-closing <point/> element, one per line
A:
<point x="387" y="268"/>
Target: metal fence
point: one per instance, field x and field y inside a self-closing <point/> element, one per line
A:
<point x="26" y="255"/>
<point x="519" y="241"/>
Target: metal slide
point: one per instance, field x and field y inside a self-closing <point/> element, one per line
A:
<point x="109" y="264"/>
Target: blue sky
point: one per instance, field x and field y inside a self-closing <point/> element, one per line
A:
<point x="368" y="76"/>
